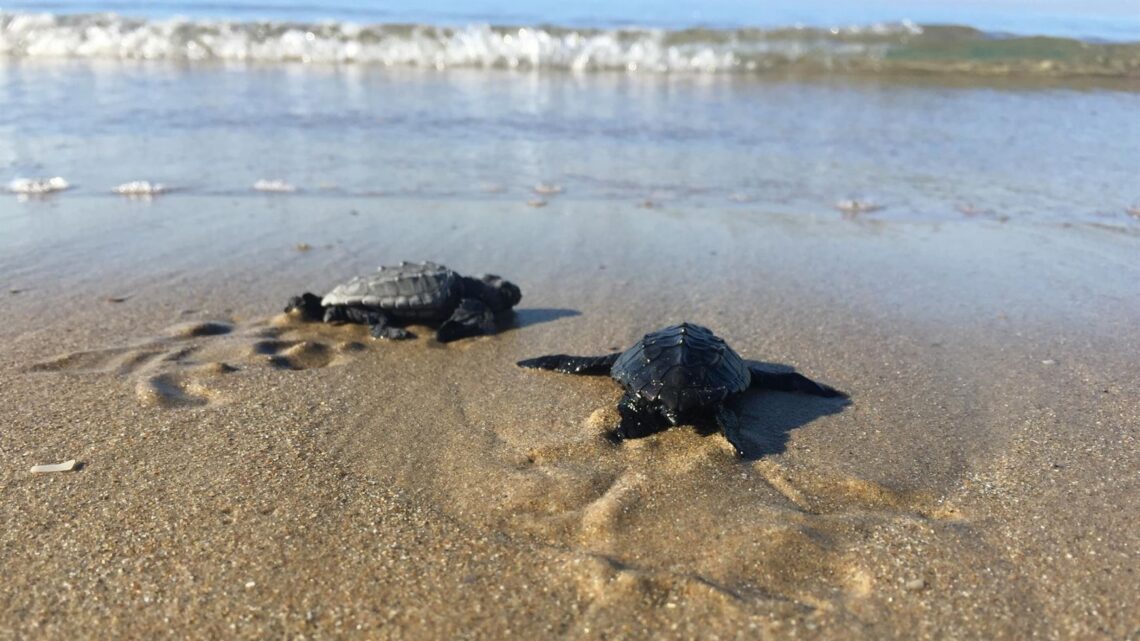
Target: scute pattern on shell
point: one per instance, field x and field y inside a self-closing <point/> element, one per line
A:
<point x="681" y="368"/>
<point x="408" y="288"/>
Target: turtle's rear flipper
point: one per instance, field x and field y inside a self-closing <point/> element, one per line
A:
<point x="471" y="318"/>
<point x="584" y="365"/>
<point x="307" y="305"/>
<point x="791" y="382"/>
<point x="636" y="421"/>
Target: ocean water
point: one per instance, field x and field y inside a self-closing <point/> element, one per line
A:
<point x="1085" y="19"/>
<point x="807" y="110"/>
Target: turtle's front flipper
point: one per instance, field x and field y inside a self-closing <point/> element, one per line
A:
<point x="729" y="424"/>
<point x="384" y="330"/>
<point x="307" y="305"/>
<point x="471" y="318"/>
<point x="791" y="382"/>
<point x="584" y="365"/>
<point x="636" y="420"/>
<point x="379" y="323"/>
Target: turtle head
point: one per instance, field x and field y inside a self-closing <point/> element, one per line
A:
<point x="307" y="306"/>
<point x="499" y="294"/>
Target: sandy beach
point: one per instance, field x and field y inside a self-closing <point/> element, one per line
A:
<point x="247" y="475"/>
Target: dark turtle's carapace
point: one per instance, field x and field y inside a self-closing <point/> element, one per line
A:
<point x="680" y="374"/>
<point x="414" y="293"/>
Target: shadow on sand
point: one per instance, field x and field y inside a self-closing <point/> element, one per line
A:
<point x="538" y="315"/>
<point x="767" y="417"/>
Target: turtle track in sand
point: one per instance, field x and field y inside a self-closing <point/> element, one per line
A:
<point x="675" y="521"/>
<point x="181" y="367"/>
<point x="765" y="540"/>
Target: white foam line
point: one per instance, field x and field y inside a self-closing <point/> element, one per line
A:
<point x="37" y="186"/>
<point x="140" y="188"/>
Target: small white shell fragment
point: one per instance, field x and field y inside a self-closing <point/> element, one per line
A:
<point x="66" y="466"/>
<point x="276" y="186"/>
<point x="37" y="185"/>
<point x="140" y="188"/>
<point x="547" y="189"/>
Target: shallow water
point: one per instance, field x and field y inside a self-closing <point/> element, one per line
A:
<point x="921" y="150"/>
<point x="877" y="117"/>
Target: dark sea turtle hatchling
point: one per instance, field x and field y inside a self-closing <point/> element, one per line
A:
<point x="680" y="374"/>
<point x="414" y="293"/>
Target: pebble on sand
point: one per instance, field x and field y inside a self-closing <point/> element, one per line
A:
<point x="66" y="466"/>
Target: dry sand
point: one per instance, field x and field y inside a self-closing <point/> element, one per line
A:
<point x="245" y="475"/>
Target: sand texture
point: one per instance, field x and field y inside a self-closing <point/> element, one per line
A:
<point x="247" y="475"/>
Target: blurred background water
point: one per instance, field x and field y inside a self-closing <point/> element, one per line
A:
<point x="1109" y="19"/>
<point x="858" y="106"/>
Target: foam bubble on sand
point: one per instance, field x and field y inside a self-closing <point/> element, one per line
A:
<point x="140" y="188"/>
<point x="37" y="186"/>
<point x="853" y="206"/>
<point x="274" y="186"/>
<point x="547" y="189"/>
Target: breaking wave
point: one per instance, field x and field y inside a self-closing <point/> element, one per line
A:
<point x="901" y="46"/>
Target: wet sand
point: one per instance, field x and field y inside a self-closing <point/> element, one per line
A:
<point x="248" y="476"/>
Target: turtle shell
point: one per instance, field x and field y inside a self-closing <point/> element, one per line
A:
<point x="411" y="290"/>
<point x="681" y="368"/>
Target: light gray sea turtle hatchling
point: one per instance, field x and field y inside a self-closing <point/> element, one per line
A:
<point x="414" y="293"/>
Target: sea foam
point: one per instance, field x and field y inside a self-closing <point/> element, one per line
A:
<point x="140" y="189"/>
<point x="37" y="186"/>
<point x="112" y="36"/>
<point x="876" y="48"/>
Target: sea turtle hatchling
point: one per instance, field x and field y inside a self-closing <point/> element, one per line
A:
<point x="413" y="293"/>
<point x="680" y="374"/>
